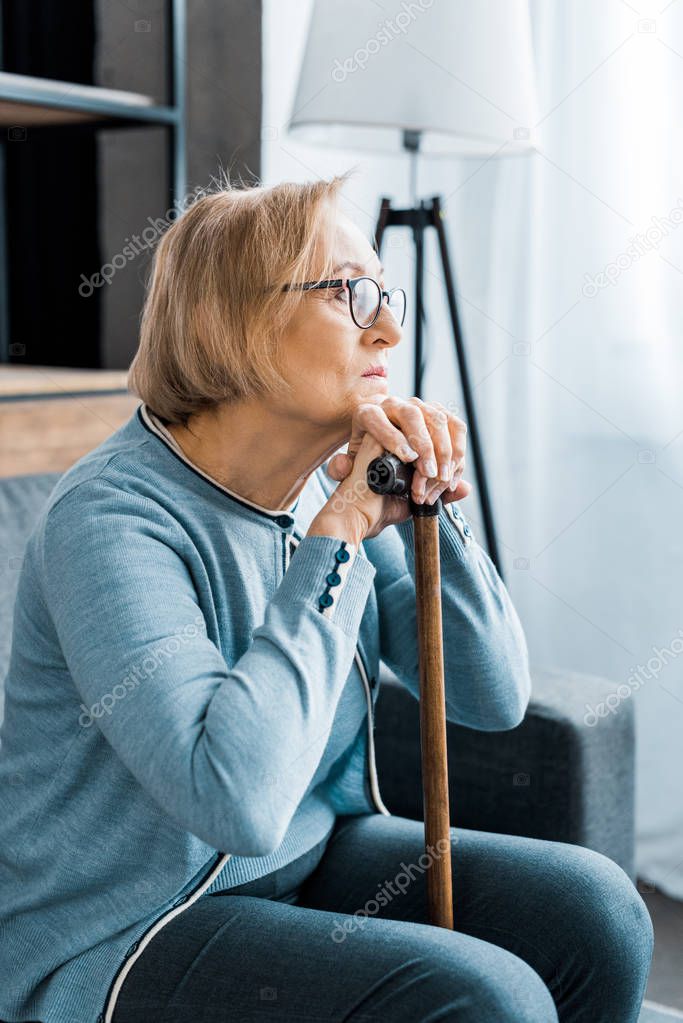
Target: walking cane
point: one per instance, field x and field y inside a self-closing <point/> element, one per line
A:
<point x="388" y="475"/>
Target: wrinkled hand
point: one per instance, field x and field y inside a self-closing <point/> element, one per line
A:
<point x="419" y="432"/>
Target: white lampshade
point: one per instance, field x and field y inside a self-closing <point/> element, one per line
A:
<point x="461" y="72"/>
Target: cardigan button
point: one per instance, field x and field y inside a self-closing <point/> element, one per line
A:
<point x="179" y="902"/>
<point x="326" y="599"/>
<point x="466" y="530"/>
<point x="333" y="579"/>
<point x="342" y="555"/>
<point x="283" y="520"/>
<point x="132" y="949"/>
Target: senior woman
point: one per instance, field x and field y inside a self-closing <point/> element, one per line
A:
<point x="194" y="829"/>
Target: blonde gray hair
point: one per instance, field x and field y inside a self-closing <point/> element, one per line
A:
<point x="215" y="312"/>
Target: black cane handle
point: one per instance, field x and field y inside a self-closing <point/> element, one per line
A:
<point x="387" y="474"/>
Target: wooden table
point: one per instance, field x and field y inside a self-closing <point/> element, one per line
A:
<point x="51" y="416"/>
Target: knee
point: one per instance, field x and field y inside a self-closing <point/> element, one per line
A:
<point x="491" y="987"/>
<point x="515" y="994"/>
<point x="612" y="920"/>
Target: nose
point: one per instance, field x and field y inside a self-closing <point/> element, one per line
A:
<point x="386" y="328"/>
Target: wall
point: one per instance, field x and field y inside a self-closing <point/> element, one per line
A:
<point x="223" y="67"/>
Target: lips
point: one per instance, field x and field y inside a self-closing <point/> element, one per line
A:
<point x="376" y="371"/>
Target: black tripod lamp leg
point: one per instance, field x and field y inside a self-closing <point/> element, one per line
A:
<point x="474" y="436"/>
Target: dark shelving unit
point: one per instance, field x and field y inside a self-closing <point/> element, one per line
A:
<point x="43" y="104"/>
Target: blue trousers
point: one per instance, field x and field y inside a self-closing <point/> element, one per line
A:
<point x="544" y="931"/>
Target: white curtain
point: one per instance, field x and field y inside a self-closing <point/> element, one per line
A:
<point x="569" y="270"/>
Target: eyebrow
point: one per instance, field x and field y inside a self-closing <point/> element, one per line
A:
<point x="358" y="267"/>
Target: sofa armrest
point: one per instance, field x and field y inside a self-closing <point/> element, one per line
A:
<point x="553" y="777"/>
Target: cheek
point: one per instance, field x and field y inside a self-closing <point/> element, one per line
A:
<point x="323" y="383"/>
<point x="323" y="350"/>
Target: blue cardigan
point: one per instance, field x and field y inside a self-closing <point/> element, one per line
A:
<point x="190" y="701"/>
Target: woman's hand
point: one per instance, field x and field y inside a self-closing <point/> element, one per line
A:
<point x="425" y="433"/>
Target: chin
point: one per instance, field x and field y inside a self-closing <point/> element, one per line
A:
<point x="371" y="389"/>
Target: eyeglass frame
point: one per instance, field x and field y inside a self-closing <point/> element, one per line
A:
<point x="339" y="282"/>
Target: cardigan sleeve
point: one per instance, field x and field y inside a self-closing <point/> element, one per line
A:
<point x="486" y="660"/>
<point x="228" y="751"/>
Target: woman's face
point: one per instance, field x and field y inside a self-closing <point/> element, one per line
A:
<point x="324" y="354"/>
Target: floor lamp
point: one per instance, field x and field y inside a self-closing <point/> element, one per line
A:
<point x="440" y="80"/>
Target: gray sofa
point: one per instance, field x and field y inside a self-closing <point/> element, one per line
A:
<point x="551" y="777"/>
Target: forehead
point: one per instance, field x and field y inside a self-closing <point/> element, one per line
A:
<point x="349" y="245"/>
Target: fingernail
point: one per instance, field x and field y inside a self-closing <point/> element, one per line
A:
<point x="445" y="472"/>
<point x="430" y="466"/>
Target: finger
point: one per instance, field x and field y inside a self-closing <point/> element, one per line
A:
<point x="452" y="488"/>
<point x="437" y="419"/>
<point x="435" y="491"/>
<point x="339" y="467"/>
<point x="463" y="489"/>
<point x="459" y="468"/>
<point x="418" y="486"/>
<point x="428" y="489"/>
<point x="458" y="433"/>
<point x="408" y="416"/>
<point x="369" y="418"/>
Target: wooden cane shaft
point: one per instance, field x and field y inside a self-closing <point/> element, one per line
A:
<point x="433" y="721"/>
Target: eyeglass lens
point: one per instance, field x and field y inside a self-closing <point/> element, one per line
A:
<point x="366" y="298"/>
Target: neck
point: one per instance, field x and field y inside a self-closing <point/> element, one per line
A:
<point x="258" y="453"/>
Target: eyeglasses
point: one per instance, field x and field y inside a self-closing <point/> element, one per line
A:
<point x="365" y="298"/>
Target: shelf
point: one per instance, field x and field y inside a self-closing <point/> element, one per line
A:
<point x="21" y="382"/>
<point x="27" y="101"/>
<point x="47" y="106"/>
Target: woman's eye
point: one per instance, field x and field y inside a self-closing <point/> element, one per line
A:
<point x="341" y="294"/>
